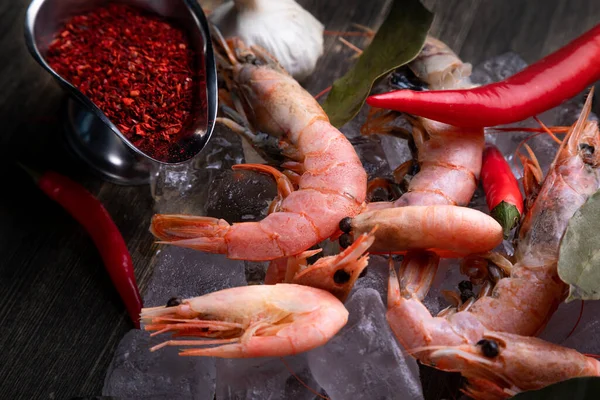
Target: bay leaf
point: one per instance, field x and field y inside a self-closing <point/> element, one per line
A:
<point x="397" y="42"/>
<point x="579" y="254"/>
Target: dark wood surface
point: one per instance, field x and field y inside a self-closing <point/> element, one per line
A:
<point x="60" y="318"/>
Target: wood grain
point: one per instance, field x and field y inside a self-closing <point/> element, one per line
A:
<point x="60" y="318"/>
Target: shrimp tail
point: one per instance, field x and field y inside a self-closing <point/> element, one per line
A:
<point x="193" y="232"/>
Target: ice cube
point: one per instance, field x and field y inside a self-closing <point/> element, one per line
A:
<point x="137" y="373"/>
<point x="188" y="273"/>
<point x="372" y="155"/>
<point x="183" y="188"/>
<point x="497" y="68"/>
<point x="265" y="378"/>
<point x="134" y="370"/>
<point x="376" y="277"/>
<point x="396" y="151"/>
<point x="240" y="196"/>
<point x="363" y="361"/>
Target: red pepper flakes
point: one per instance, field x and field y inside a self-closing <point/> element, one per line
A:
<point x="127" y="101"/>
<point x="116" y="53"/>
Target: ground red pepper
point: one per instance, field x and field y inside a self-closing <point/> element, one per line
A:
<point x="136" y="67"/>
<point x="92" y="215"/>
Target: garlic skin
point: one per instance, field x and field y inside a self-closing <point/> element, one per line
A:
<point x="282" y="27"/>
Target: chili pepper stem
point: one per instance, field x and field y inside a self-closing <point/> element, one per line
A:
<point x="507" y="215"/>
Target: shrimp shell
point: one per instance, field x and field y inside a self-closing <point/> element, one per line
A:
<point x="332" y="184"/>
<point x="250" y="321"/>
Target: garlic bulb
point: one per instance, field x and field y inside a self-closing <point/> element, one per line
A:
<point x="282" y="27"/>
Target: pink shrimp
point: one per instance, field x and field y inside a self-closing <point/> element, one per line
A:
<point x="449" y="163"/>
<point x="524" y="297"/>
<point x="500" y="365"/>
<point x="250" y="321"/>
<point x="330" y="177"/>
<point x="336" y="274"/>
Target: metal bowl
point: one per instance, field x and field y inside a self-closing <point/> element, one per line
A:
<point x="89" y="132"/>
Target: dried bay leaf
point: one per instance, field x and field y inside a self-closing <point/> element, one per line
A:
<point x="397" y="42"/>
<point x="579" y="256"/>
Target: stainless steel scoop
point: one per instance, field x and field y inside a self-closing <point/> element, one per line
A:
<point x="89" y="132"/>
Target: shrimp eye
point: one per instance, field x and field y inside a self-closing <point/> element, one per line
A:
<point x="346" y="225"/>
<point x="587" y="151"/>
<point x="586" y="148"/>
<point x="465" y="285"/>
<point x="345" y="240"/>
<point x="250" y="59"/>
<point x="466" y="295"/>
<point x="414" y="169"/>
<point x="341" y="276"/>
<point x="173" y="302"/>
<point x="489" y="348"/>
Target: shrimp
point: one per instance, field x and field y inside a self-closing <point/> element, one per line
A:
<point x="501" y="365"/>
<point x="449" y="231"/>
<point x="250" y="321"/>
<point x="336" y="274"/>
<point x="329" y="175"/>
<point x="448" y="163"/>
<point x="522" y="302"/>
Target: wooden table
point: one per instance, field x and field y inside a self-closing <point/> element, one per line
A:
<point x="60" y="318"/>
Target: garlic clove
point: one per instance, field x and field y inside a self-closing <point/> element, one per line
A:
<point x="282" y="27"/>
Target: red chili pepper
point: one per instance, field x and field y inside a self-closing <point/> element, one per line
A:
<point x="539" y="87"/>
<point x="501" y="189"/>
<point x="90" y="213"/>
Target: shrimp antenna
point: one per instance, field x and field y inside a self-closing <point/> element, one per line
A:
<point x="421" y="349"/>
<point x="323" y="92"/>
<point x="579" y="125"/>
<point x="313" y="391"/>
<point x="218" y="37"/>
<point x="548" y="131"/>
<point x="544" y="129"/>
<point x="578" y="320"/>
<point x="553" y="129"/>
